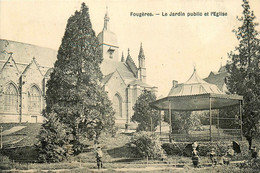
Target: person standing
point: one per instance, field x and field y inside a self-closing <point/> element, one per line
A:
<point x="99" y="155"/>
<point x="195" y="158"/>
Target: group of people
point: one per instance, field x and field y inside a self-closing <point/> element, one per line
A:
<point x="213" y="156"/>
<point x="195" y="156"/>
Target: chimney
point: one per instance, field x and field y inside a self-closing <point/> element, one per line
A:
<point x="174" y="83"/>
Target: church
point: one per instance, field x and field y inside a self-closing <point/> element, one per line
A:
<point x="25" y="70"/>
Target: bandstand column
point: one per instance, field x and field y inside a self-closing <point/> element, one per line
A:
<point x="240" y="114"/>
<point x="218" y="124"/>
<point x="170" y="120"/>
<point x="210" y="120"/>
<point x="160" y="122"/>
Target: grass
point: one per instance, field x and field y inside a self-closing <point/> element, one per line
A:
<point x="25" y="137"/>
<point x="116" y="153"/>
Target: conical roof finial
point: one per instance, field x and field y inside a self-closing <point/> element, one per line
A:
<point x="107" y="11"/>
<point x="194" y="66"/>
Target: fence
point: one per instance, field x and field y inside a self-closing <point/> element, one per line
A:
<point x="225" y="134"/>
<point x="175" y="163"/>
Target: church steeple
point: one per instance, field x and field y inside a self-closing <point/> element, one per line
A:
<point x="108" y="41"/>
<point x="141" y="69"/>
<point x="106" y="21"/>
<point x="141" y="57"/>
<point x="128" y="53"/>
<point x="122" y="58"/>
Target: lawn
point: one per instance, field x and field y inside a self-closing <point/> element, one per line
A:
<point x="21" y="138"/>
<point x="117" y="154"/>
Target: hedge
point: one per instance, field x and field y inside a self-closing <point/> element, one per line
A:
<point x="204" y="148"/>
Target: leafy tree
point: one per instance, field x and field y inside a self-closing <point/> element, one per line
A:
<point x="183" y="121"/>
<point x="74" y="90"/>
<point x="147" y="117"/>
<point x="53" y="140"/>
<point x="244" y="72"/>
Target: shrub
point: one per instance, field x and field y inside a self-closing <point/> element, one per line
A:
<point x="5" y="163"/>
<point x="204" y="148"/>
<point x="53" y="141"/>
<point x="147" y="144"/>
<point x="174" y="148"/>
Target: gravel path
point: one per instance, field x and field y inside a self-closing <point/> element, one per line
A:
<point x="12" y="130"/>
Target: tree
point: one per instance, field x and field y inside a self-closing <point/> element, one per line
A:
<point x="74" y="90"/>
<point x="147" y="117"/>
<point x="53" y="140"/>
<point x="244" y="71"/>
<point x="183" y="121"/>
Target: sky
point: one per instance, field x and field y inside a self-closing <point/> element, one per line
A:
<point x="172" y="45"/>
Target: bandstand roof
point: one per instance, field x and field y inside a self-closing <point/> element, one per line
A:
<point x="196" y="94"/>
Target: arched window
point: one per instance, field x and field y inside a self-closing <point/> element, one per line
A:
<point x="34" y="99"/>
<point x="117" y="104"/>
<point x="11" y="99"/>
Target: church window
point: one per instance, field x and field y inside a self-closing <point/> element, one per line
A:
<point x="111" y="52"/>
<point x="34" y="99"/>
<point x="117" y="104"/>
<point x="11" y="98"/>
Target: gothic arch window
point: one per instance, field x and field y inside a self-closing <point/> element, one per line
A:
<point x="11" y="98"/>
<point x="117" y="104"/>
<point x="34" y="99"/>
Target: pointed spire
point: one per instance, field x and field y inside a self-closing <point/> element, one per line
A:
<point x="122" y="58"/>
<point x="128" y="54"/>
<point x="141" y="52"/>
<point x="106" y="20"/>
<point x="141" y="57"/>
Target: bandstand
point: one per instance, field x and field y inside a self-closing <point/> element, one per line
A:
<point x="198" y="95"/>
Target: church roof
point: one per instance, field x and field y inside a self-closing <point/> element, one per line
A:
<point x="108" y="38"/>
<point x="23" y="53"/>
<point x="194" y="86"/>
<point x="131" y="64"/>
<point x="107" y="78"/>
<point x="109" y="66"/>
<point x="217" y="78"/>
<point x="222" y="69"/>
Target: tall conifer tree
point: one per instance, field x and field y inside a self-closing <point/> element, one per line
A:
<point x="244" y="70"/>
<point x="74" y="90"/>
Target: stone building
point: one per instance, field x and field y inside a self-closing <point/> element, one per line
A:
<point x="25" y="70"/>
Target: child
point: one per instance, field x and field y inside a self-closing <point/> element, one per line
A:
<point x="254" y="152"/>
<point x="99" y="155"/>
<point x="195" y="158"/>
<point x="212" y="156"/>
<point x="229" y="154"/>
